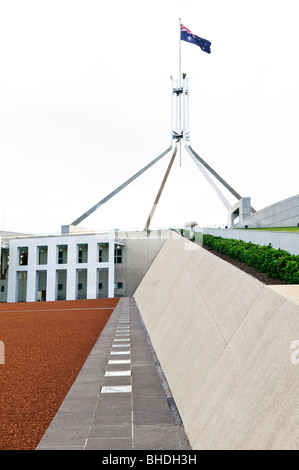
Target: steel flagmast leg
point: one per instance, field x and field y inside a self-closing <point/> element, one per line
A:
<point x="202" y="165"/>
<point x="150" y="217"/>
<point x="175" y="136"/>
<point x="122" y="186"/>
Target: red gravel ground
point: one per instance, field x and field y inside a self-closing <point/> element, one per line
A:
<point x="46" y="345"/>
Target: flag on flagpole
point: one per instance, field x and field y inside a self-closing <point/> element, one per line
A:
<point x="187" y="36"/>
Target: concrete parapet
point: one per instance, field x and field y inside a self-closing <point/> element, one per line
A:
<point x="224" y="343"/>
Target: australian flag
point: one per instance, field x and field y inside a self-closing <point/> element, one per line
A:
<point x="186" y="35"/>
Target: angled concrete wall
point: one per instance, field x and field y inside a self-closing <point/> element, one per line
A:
<point x="224" y="342"/>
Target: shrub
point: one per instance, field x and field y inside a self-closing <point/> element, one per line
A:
<point x="276" y="264"/>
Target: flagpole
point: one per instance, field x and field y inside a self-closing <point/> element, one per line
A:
<point x="180" y="55"/>
<point x="180" y="85"/>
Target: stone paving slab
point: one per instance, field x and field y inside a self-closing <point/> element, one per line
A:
<point x="120" y="399"/>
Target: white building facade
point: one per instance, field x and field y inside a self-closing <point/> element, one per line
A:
<point x="74" y="266"/>
<point x="60" y="267"/>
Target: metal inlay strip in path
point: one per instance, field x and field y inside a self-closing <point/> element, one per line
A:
<point x="120" y="399"/>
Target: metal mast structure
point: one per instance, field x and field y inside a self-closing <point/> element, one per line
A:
<point x="180" y="131"/>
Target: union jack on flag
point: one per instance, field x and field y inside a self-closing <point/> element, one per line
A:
<point x="187" y="36"/>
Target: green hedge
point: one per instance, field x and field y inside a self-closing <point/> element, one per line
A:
<point x="277" y="264"/>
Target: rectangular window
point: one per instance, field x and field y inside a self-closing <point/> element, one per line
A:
<point x="82" y="253"/>
<point x="4" y="263"/>
<point x="118" y="255"/>
<point x="21" y="286"/>
<point x="119" y="285"/>
<point x="102" y="282"/>
<point x="103" y="252"/>
<point x="2" y="288"/>
<point x="42" y="254"/>
<point x="81" y="284"/>
<point x="61" y="282"/>
<point x="62" y="254"/>
<point x="41" y="280"/>
<point x="23" y="256"/>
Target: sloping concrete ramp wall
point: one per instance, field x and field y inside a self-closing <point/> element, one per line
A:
<point x="224" y="341"/>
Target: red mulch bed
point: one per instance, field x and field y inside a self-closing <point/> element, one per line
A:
<point x="46" y="345"/>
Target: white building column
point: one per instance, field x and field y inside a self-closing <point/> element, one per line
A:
<point x="31" y="295"/>
<point x="111" y="264"/>
<point x="51" y="272"/>
<point x="71" y="275"/>
<point x="71" y="282"/>
<point x="12" y="273"/>
<point x="92" y="268"/>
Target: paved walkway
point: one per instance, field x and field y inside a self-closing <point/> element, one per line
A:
<point x="120" y="399"/>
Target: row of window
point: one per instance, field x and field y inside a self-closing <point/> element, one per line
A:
<point x="61" y="285"/>
<point x="117" y="285"/>
<point x="62" y="254"/>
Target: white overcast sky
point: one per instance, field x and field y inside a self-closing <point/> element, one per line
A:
<point x="85" y="95"/>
